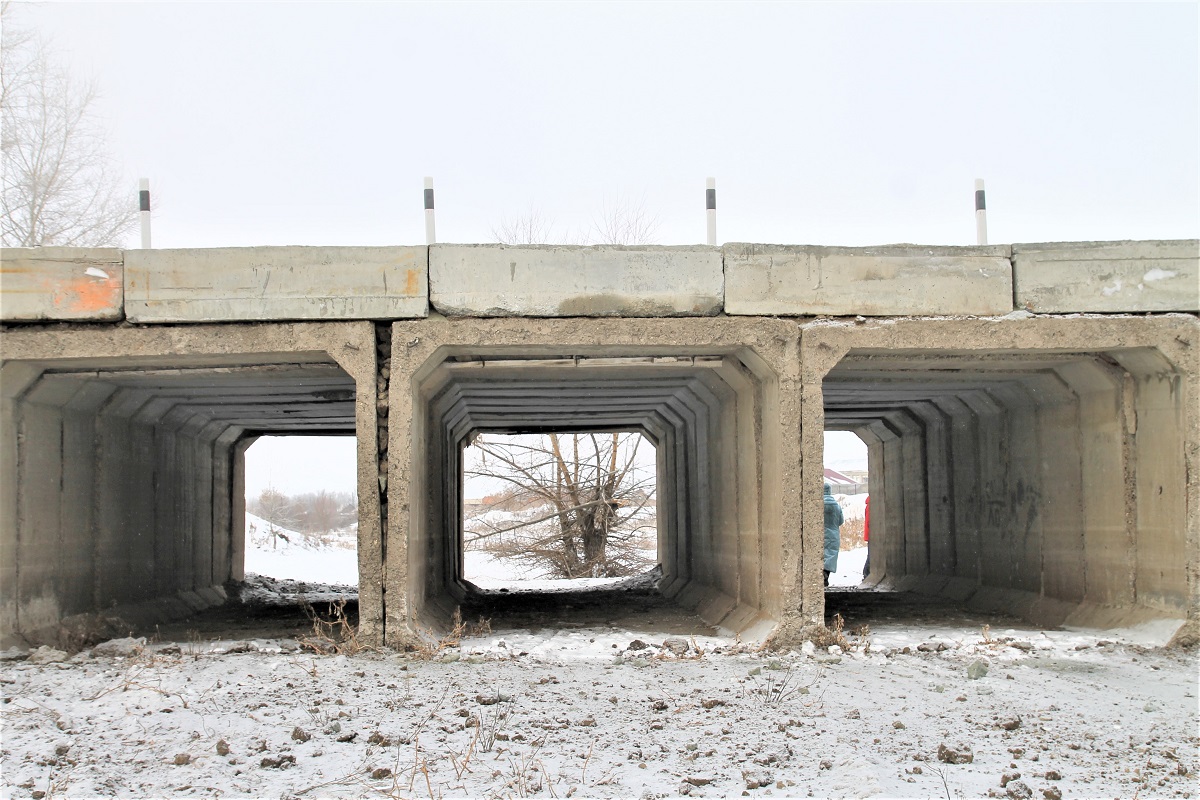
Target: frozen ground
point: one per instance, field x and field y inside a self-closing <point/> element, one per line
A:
<point x="604" y="702"/>
<point x="610" y="712"/>
<point x="299" y="557"/>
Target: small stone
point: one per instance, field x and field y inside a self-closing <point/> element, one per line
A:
<point x="898" y="725"/>
<point x="1053" y="775"/>
<point x="451" y="657"/>
<point x="958" y="754"/>
<point x="808" y="648"/>
<point x="47" y="655"/>
<point x="637" y="644"/>
<point x="122" y="648"/>
<point x="757" y="778"/>
<point x="854" y="713"/>
<point x="1053" y="793"/>
<point x="222" y="747"/>
<point x="380" y="773"/>
<point x="1019" y="790"/>
<point x="755" y="671"/>
<point x="977" y="669"/>
<point x="182" y="759"/>
<point x="1149" y="707"/>
<point x="1010" y="723"/>
<point x="300" y="735"/>
<point x="283" y="762"/>
<point x="676" y="646"/>
<point x="696" y="780"/>
<point x="826" y="764"/>
<point x="640" y="662"/>
<point x="1008" y="778"/>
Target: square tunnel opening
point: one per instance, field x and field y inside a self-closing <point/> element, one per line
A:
<point x="1046" y="484"/>
<point x="124" y="485"/>
<point x="558" y="510"/>
<point x="711" y="412"/>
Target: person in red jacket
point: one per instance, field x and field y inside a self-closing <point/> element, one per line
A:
<point x="867" y="535"/>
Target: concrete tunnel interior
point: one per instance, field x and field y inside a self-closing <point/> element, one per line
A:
<point x="715" y="521"/>
<point x="1046" y="485"/>
<point x="131" y="500"/>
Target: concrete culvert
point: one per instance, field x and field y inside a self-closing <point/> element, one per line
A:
<point x="1036" y="468"/>
<point x="123" y="484"/>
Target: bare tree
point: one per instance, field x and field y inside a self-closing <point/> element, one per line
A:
<point x="620" y="222"/>
<point x="585" y="506"/>
<point x="532" y="227"/>
<point x="625" y="222"/>
<point x="279" y="512"/>
<point x="59" y="183"/>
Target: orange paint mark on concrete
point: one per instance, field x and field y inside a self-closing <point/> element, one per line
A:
<point x="84" y="295"/>
<point x="410" y="282"/>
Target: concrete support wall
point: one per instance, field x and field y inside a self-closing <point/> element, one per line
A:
<point x="719" y="397"/>
<point x="121" y="464"/>
<point x="1044" y="466"/>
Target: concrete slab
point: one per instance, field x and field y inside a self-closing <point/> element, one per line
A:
<point x="571" y="281"/>
<point x="1067" y="277"/>
<point x="802" y="280"/>
<point x="60" y="283"/>
<point x="276" y="283"/>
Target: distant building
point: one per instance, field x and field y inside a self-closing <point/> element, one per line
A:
<point x="844" y="484"/>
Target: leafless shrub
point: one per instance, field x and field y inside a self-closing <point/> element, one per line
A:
<point x="332" y="633"/>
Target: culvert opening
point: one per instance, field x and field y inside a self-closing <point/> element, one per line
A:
<point x="131" y="476"/>
<point x="1046" y="485"/>
<point x="703" y="415"/>
<point x="302" y="509"/>
<point x="557" y="511"/>
<point x="846" y="471"/>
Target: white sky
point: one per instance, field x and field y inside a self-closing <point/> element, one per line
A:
<point x="301" y="464"/>
<point x="848" y="123"/>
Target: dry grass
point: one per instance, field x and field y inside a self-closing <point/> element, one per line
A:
<point x="332" y="633"/>
<point x="434" y="646"/>
<point x="852" y="534"/>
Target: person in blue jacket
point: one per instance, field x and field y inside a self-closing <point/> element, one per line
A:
<point x="833" y="536"/>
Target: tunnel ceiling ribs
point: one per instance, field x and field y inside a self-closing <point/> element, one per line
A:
<point x="686" y="406"/>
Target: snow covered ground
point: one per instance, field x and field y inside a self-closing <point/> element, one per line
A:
<point x="296" y="556"/>
<point x="917" y="709"/>
<point x="602" y="712"/>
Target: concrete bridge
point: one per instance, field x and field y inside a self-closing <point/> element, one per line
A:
<point x="1032" y="414"/>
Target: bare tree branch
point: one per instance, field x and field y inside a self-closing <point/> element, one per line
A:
<point x="586" y="484"/>
<point x="59" y="184"/>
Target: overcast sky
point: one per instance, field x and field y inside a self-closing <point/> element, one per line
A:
<point x="846" y="123"/>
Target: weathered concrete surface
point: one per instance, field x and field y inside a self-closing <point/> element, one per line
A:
<point x="276" y="283"/>
<point x="1046" y="466"/>
<point x="804" y="280"/>
<point x="562" y="281"/>
<point x="119" y="459"/>
<point x="60" y="283"/>
<point x="730" y="535"/>
<point x="1067" y="277"/>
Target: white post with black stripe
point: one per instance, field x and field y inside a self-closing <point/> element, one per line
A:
<point x="144" y="210"/>
<point x="710" y="204"/>
<point x="430" y="232"/>
<point x="980" y="213"/>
